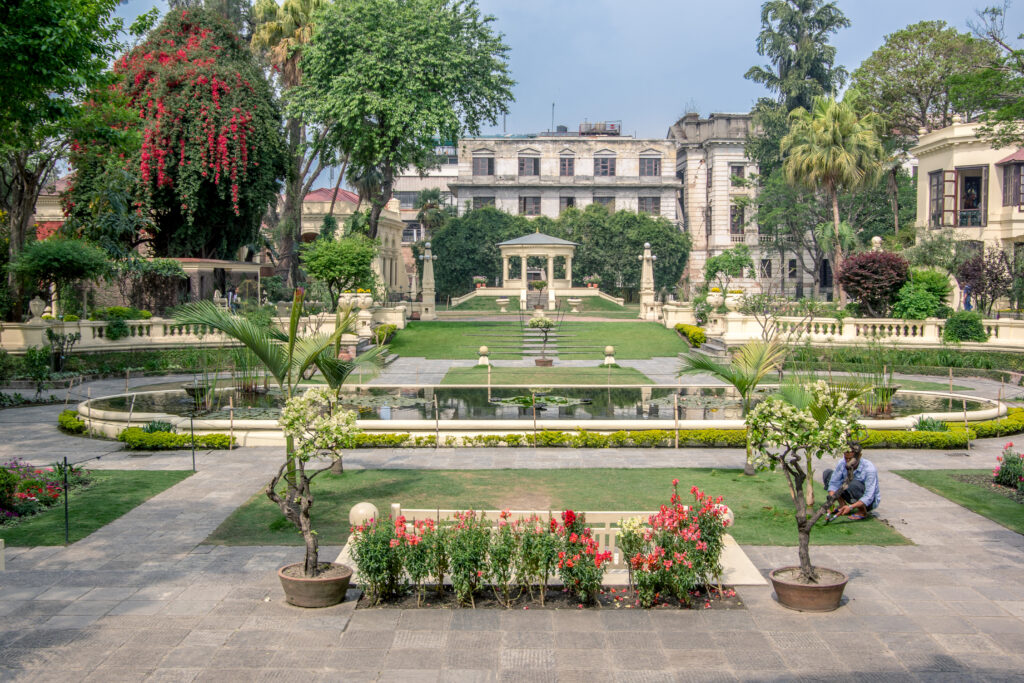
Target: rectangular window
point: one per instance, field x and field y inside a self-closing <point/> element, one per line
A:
<point x="1012" y="180"/>
<point x="971" y="196"/>
<point x="481" y="202"/>
<point x="736" y="173"/>
<point x="565" y="202"/>
<point x="935" y="199"/>
<point x="607" y="202"/>
<point x="792" y="269"/>
<point x="529" y="166"/>
<point x="650" y="167"/>
<point x="567" y="166"/>
<point x="651" y="205"/>
<point x="407" y="200"/>
<point x="766" y="268"/>
<point x="736" y="228"/>
<point x="529" y="206"/>
<point x="483" y="165"/>
<point x="604" y="166"/>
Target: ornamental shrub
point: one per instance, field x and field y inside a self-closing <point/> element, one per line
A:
<point x="117" y="329"/>
<point x="930" y="424"/>
<point x="873" y="279"/>
<point x="934" y="281"/>
<point x="1013" y="423"/>
<point x="158" y="426"/>
<point x="467" y="548"/>
<point x="694" y="335"/>
<point x="916" y="302"/>
<point x="964" y="326"/>
<point x="382" y="334"/>
<point x="137" y="439"/>
<point x="374" y="550"/>
<point x="1010" y="470"/>
<point x="581" y="564"/>
<point x="8" y="486"/>
<point x="885" y="438"/>
<point x="68" y="422"/>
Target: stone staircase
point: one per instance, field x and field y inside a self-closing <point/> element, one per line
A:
<point x="715" y="349"/>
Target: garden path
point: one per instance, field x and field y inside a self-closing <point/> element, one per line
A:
<point x="143" y="599"/>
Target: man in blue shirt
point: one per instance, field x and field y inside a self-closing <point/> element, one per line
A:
<point x="861" y="494"/>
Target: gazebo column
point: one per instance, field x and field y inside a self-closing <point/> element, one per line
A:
<point x="504" y="270"/>
<point x="522" y="268"/>
<point x="568" y="269"/>
<point x="551" y="282"/>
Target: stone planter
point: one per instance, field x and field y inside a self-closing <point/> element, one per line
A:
<point x="543" y="362"/>
<point x="319" y="591"/>
<point x="715" y="299"/>
<point x="732" y="302"/>
<point x="819" y="597"/>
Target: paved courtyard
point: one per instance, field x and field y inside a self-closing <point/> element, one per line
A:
<point x="144" y="599"/>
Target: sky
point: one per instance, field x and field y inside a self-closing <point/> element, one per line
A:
<point x="646" y="62"/>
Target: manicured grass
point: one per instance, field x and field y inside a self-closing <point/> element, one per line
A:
<point x="589" y="305"/>
<point x="458" y="340"/>
<point x="764" y="511"/>
<point x="546" y="376"/>
<point x="633" y="340"/>
<point x="974" y="497"/>
<point x="111" y="494"/>
<point x="488" y="304"/>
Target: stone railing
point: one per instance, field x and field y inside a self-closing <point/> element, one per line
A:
<point x="166" y="333"/>
<point x="737" y="328"/>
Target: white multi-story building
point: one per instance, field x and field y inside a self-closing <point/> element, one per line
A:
<point x="543" y="174"/>
<point x="715" y="206"/>
<point x="408" y="187"/>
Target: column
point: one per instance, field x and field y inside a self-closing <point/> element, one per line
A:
<point x="551" y="270"/>
<point x="568" y="269"/>
<point x="504" y="270"/>
<point x="522" y="268"/>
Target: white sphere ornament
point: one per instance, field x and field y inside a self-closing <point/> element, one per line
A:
<point x="609" y="350"/>
<point x="362" y="513"/>
<point x="647" y="245"/>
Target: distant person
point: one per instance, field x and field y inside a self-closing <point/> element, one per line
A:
<point x="232" y="300"/>
<point x="861" y="494"/>
<point x="967" y="297"/>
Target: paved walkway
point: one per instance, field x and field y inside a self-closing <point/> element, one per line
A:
<point x="143" y="599"/>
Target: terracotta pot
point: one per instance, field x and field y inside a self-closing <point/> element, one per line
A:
<point x="543" y="362"/>
<point x="316" y="592"/>
<point x="820" y="597"/>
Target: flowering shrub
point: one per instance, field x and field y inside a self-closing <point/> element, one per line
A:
<point x="26" y="489"/>
<point x="374" y="549"/>
<point x="317" y="424"/>
<point x="581" y="565"/>
<point x="468" y="554"/>
<point x="1010" y="470"/>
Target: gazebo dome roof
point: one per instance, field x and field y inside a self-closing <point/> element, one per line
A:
<point x="536" y="238"/>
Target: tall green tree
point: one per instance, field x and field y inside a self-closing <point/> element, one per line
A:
<point x="467" y="245"/>
<point x="211" y="152"/>
<point x="431" y="212"/>
<point x="906" y="80"/>
<point x="997" y="87"/>
<point x="830" y="149"/>
<point x="794" y="35"/>
<point x="281" y="34"/>
<point x="344" y="264"/>
<point x="394" y="76"/>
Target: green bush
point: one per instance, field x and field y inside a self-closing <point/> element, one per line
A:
<point x="71" y="318"/>
<point x="916" y="302"/>
<point x="68" y="422"/>
<point x="120" y="313"/>
<point x="158" y="426"/>
<point x="382" y="334"/>
<point x="1013" y="423"/>
<point x="934" y="281"/>
<point x="884" y="438"/>
<point x="117" y="329"/>
<point x="37" y="365"/>
<point x="930" y="424"/>
<point x="137" y="439"/>
<point x="1010" y="470"/>
<point x="8" y="487"/>
<point x="964" y="326"/>
<point x="364" y="440"/>
<point x="695" y="335"/>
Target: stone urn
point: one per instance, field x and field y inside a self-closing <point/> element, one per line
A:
<point x="733" y="301"/>
<point x="364" y="301"/>
<point x="715" y="299"/>
<point x="346" y="300"/>
<point x="36" y="307"/>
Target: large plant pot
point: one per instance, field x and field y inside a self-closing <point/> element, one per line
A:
<point x="543" y="362"/>
<point x="316" y="592"/>
<point x="819" y="597"/>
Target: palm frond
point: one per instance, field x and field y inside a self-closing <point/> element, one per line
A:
<point x="260" y="340"/>
<point x="337" y="371"/>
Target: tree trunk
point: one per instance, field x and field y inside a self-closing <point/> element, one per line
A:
<point x="23" y="203"/>
<point x="837" y="266"/>
<point x="291" y="215"/>
<point x="380" y="201"/>
<point x="806" y="570"/>
<point x="334" y="197"/>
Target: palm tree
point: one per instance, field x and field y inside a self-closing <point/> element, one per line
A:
<point x="432" y="214"/>
<point x="747" y="369"/>
<point x="831" y="149"/>
<point x="288" y="357"/>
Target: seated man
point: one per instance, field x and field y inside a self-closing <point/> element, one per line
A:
<point x="861" y="493"/>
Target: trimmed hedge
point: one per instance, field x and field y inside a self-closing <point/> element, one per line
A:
<point x="885" y="438"/>
<point x="695" y="335"/>
<point x="68" y="422"/>
<point x="1013" y="423"/>
<point x="137" y="439"/>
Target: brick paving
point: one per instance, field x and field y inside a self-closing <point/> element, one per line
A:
<point x="143" y="600"/>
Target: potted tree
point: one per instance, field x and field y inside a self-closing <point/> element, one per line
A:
<point x="315" y="422"/>
<point x="480" y="281"/>
<point x="543" y="324"/>
<point x="791" y="431"/>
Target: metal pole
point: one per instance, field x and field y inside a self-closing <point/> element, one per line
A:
<point x="131" y="409"/>
<point x="966" y="428"/>
<point x="951" y="388"/>
<point x="67" y="525"/>
<point x="533" y="401"/>
<point x="231" y="413"/>
<point x="192" y="429"/>
<point x="127" y="374"/>
<point x="437" y="425"/>
<point x="675" y="401"/>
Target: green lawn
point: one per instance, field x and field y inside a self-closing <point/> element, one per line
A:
<point x="764" y="512"/>
<point x="458" y="340"/>
<point x="590" y="305"/>
<point x="974" y="497"/>
<point x="632" y="340"/>
<point x="546" y="376"/>
<point x="111" y="494"/>
<point x="487" y="304"/>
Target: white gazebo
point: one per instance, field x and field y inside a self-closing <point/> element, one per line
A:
<point x="543" y="246"/>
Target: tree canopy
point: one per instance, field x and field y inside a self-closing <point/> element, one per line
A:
<point x="906" y="80"/>
<point x="60" y="262"/>
<point x="342" y="265"/>
<point x="211" y="151"/>
<point x="392" y="77"/>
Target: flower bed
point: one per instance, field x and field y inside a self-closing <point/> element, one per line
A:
<point x="1010" y="470"/>
<point x="673" y="555"/>
<point x="26" y="489"/>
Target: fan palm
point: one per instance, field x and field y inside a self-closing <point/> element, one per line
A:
<point x="754" y="361"/>
<point x="831" y="149"/>
<point x="432" y="214"/>
<point x="288" y="357"/>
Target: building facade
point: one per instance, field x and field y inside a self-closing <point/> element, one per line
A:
<point x="965" y="184"/>
<point x="544" y="174"/>
<point x="409" y="185"/>
<point x="716" y="205"/>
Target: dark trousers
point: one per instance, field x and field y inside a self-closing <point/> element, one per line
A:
<point x="854" y="489"/>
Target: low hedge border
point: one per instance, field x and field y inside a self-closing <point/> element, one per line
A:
<point x="135" y="439"/>
<point x="696" y="336"/>
<point x="68" y="422"/>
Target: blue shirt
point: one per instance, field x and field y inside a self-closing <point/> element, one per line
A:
<point x="865" y="473"/>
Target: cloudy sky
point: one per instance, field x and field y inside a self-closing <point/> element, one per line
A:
<point x="644" y="62"/>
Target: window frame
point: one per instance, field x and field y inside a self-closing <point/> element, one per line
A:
<point x="735" y="177"/>
<point x="604" y="167"/>
<point x="488" y="161"/>
<point x="527" y="161"/>
<point x="566" y="163"/>
<point x="607" y="201"/>
<point x="655" y="205"/>
<point x="482" y="201"/>
<point x="565" y="202"/>
<point x="523" y="200"/>
<point x="655" y="169"/>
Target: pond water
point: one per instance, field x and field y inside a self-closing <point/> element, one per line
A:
<point x="590" y="403"/>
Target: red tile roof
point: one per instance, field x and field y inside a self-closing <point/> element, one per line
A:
<point x="324" y="195"/>
<point x="1015" y="158"/>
